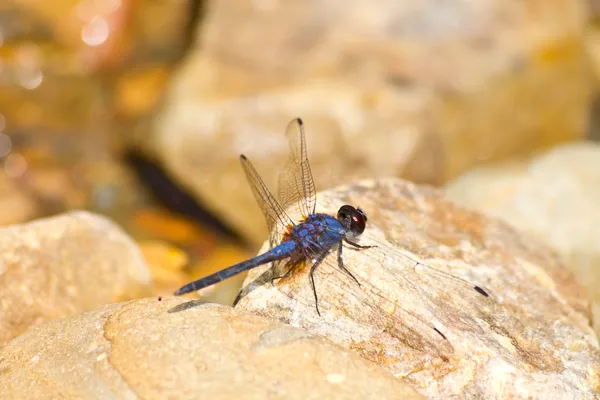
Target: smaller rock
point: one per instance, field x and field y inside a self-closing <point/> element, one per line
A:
<point x="60" y="266"/>
<point x="554" y="197"/>
<point x="180" y="349"/>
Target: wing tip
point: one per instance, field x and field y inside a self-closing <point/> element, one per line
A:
<point x="440" y="333"/>
<point x="481" y="291"/>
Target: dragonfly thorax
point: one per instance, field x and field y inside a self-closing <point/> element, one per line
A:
<point x="319" y="232"/>
<point x="316" y="233"/>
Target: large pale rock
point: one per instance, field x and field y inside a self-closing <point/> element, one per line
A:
<point x="173" y="349"/>
<point x="531" y="338"/>
<point x="60" y="266"/>
<point x="555" y="197"/>
<point x="411" y="88"/>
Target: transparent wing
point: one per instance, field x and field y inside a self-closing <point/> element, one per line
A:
<point x="297" y="193"/>
<point x="412" y="302"/>
<point x="277" y="219"/>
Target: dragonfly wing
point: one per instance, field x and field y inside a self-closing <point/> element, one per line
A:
<point x="277" y="219"/>
<point x="297" y="192"/>
<point x="450" y="299"/>
<point x="366" y="306"/>
<point x="411" y="301"/>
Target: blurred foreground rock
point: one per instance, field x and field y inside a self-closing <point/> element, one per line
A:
<point x="555" y="197"/>
<point x="531" y="338"/>
<point x="174" y="349"/>
<point x="412" y="89"/>
<point x="60" y="266"/>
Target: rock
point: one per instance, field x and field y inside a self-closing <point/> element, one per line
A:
<point x="181" y="350"/>
<point x="57" y="267"/>
<point x="428" y="323"/>
<point x="411" y="89"/>
<point x="554" y="197"/>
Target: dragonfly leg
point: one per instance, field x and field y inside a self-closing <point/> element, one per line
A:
<point x="312" y="279"/>
<point x="341" y="264"/>
<point x="358" y="246"/>
<point x="291" y="266"/>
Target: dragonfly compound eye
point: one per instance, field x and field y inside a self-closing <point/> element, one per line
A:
<point x="361" y="212"/>
<point x="353" y="219"/>
<point x="344" y="214"/>
<point x="359" y="221"/>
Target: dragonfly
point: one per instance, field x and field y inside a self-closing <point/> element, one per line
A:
<point x="298" y="234"/>
<point x="292" y="220"/>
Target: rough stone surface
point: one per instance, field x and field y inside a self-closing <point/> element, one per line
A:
<point x="412" y="89"/>
<point x="555" y="197"/>
<point x="175" y="349"/>
<point x="530" y="338"/>
<point x="60" y="266"/>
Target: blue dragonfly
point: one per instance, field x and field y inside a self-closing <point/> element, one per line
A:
<point x="298" y="234"/>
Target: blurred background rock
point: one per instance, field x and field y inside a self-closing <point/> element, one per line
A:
<point x="138" y="110"/>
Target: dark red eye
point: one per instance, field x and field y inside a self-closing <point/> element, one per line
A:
<point x="353" y="219"/>
<point x="361" y="212"/>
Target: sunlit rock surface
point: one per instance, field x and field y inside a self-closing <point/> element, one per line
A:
<point x="415" y="89"/>
<point x="530" y="338"/>
<point x="64" y="265"/>
<point x="554" y="197"/>
<point x="179" y="349"/>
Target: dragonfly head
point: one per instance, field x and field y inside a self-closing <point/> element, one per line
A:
<point x="354" y="220"/>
